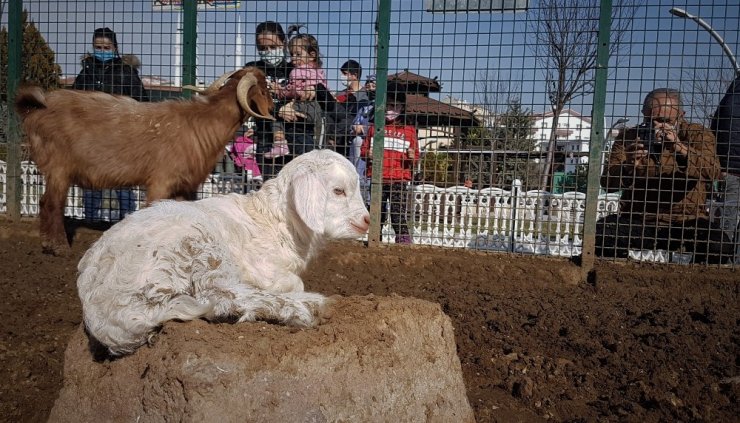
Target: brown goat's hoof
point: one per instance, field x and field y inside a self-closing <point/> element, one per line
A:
<point x="55" y="249"/>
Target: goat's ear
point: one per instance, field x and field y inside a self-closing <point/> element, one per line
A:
<point x="260" y="97"/>
<point x="309" y="199"/>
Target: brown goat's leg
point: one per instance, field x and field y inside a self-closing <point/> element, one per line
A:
<point x="156" y="193"/>
<point x="53" y="236"/>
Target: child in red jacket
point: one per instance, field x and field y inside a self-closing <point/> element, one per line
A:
<point x="400" y="152"/>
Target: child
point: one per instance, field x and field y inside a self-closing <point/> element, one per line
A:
<point x="400" y="152"/>
<point x="242" y="153"/>
<point x="306" y="74"/>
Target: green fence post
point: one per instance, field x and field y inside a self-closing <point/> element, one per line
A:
<point x="597" y="138"/>
<point x="383" y="25"/>
<point x="189" y="44"/>
<point x="13" y="186"/>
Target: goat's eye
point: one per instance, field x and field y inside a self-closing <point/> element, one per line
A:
<point x="338" y="191"/>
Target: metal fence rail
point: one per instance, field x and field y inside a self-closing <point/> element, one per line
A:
<point x="518" y="109"/>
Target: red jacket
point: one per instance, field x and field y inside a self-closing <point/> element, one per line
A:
<point x="397" y="165"/>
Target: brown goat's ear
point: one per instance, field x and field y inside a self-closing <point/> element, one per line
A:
<point x="261" y="98"/>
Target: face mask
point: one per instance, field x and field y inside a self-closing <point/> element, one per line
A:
<point x="344" y="80"/>
<point x="391" y="115"/>
<point x="104" y="56"/>
<point x="273" y="56"/>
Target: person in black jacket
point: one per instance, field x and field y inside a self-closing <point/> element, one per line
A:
<point x="105" y="70"/>
<point x="270" y="40"/>
<point x="726" y="124"/>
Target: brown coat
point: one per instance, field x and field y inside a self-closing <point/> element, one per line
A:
<point x="670" y="187"/>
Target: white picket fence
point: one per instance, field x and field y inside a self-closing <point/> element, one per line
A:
<point x="33" y="187"/>
<point x="535" y="222"/>
<point x="514" y="220"/>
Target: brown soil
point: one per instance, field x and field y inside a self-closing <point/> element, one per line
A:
<point x="635" y="343"/>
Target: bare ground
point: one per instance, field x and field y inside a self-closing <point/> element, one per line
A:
<point x="635" y="343"/>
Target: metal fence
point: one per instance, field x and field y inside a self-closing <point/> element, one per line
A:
<point x="524" y="114"/>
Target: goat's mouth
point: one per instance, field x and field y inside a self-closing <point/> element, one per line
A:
<point x="361" y="229"/>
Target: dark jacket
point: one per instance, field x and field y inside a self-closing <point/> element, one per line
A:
<point x="726" y="124"/>
<point x="263" y="129"/>
<point x="118" y="76"/>
<point x="340" y="116"/>
<point x="670" y="188"/>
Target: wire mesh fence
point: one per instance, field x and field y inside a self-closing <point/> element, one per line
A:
<point x="520" y="126"/>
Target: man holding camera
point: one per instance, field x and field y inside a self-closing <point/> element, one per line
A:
<point x="663" y="168"/>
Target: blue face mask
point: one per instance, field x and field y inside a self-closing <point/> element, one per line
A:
<point x="104" y="56"/>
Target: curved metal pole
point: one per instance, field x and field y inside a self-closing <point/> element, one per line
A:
<point x="683" y="14"/>
<point x="611" y="128"/>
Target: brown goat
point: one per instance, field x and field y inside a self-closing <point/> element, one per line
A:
<point x="98" y="140"/>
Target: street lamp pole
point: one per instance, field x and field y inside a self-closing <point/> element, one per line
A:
<point x="609" y="134"/>
<point x="683" y="14"/>
<point x="606" y="149"/>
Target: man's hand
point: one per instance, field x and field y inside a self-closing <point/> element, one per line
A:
<point x="668" y="134"/>
<point x="288" y="113"/>
<point x="637" y="154"/>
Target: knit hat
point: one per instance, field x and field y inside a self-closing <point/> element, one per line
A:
<point x="106" y="33"/>
<point x="371" y="78"/>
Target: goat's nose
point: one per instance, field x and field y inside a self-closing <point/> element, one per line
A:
<point x="366" y="219"/>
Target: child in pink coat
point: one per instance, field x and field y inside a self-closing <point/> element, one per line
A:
<point x="242" y="152"/>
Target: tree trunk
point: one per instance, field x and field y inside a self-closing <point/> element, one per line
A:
<point x="551" y="146"/>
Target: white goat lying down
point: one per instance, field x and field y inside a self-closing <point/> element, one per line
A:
<point x="229" y="258"/>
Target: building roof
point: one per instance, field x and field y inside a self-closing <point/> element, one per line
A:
<point x="564" y="112"/>
<point x="414" y="83"/>
<point x="430" y="112"/>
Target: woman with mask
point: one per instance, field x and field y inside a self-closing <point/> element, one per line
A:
<point x="270" y="40"/>
<point x="107" y="71"/>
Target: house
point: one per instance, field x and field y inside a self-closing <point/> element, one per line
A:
<point x="573" y="135"/>
<point x="438" y="123"/>
<point x="471" y="114"/>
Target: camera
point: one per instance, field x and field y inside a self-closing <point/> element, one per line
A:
<point x="646" y="134"/>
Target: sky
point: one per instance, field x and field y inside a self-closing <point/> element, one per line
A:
<point x="460" y="49"/>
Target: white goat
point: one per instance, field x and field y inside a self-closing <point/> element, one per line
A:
<point x="229" y="258"/>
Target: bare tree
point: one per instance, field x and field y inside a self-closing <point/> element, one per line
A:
<point x="494" y="92"/>
<point x="703" y="88"/>
<point x="566" y="34"/>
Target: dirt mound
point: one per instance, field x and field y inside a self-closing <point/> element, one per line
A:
<point x="377" y="358"/>
<point x="640" y="343"/>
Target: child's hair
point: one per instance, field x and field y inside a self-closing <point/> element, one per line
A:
<point x="306" y="41"/>
<point x="271" y="27"/>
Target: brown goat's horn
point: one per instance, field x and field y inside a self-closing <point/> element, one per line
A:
<point x="247" y="82"/>
<point x="193" y="88"/>
<point x="217" y="84"/>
